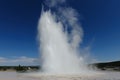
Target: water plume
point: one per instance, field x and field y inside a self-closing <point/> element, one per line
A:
<point x="60" y="37"/>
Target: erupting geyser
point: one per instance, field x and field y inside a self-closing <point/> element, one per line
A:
<point x="58" y="47"/>
<point x="57" y="53"/>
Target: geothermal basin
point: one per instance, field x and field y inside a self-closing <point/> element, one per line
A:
<point x="37" y="76"/>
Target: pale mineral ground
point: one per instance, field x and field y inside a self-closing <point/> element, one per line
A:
<point x="25" y="76"/>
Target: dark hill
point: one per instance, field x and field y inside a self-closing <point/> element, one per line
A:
<point x="108" y="65"/>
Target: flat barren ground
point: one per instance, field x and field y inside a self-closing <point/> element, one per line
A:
<point x="21" y="76"/>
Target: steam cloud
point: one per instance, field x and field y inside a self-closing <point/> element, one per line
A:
<point x="53" y="3"/>
<point x="60" y="35"/>
<point x="69" y="18"/>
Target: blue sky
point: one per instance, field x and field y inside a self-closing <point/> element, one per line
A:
<point x="100" y="21"/>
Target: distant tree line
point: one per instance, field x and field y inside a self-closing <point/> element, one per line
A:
<point x="111" y="66"/>
<point x="19" y="68"/>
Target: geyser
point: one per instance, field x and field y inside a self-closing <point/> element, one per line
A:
<point x="58" y="48"/>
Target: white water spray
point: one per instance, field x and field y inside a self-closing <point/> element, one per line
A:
<point x="58" y="54"/>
